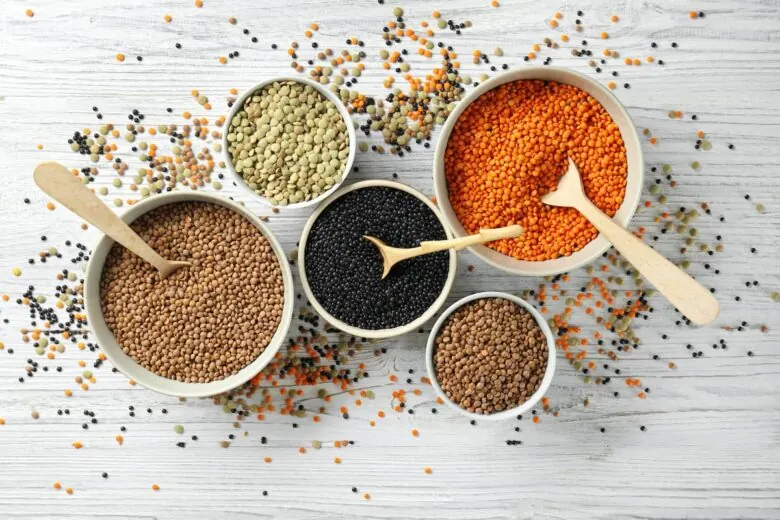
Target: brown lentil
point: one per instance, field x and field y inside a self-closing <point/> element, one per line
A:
<point x="204" y="322"/>
<point x="491" y="355"/>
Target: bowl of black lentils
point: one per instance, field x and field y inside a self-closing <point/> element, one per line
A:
<point x="341" y="271"/>
<point x="208" y="327"/>
<point x="491" y="356"/>
<point x="290" y="142"/>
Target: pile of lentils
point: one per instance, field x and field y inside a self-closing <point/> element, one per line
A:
<point x="204" y="322"/>
<point x="490" y="355"/>
<point x="289" y="143"/>
<point x="344" y="270"/>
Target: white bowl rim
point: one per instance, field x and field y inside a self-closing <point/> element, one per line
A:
<point x="549" y="371"/>
<point x="127" y="365"/>
<point x="379" y="333"/>
<point x="634" y="175"/>
<point x="330" y="96"/>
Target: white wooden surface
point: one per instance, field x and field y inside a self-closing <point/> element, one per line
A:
<point x="713" y="424"/>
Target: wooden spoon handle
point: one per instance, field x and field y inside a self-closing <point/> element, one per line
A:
<point x="67" y="189"/>
<point x="484" y="235"/>
<point x="686" y="294"/>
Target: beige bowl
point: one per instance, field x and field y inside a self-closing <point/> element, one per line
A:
<point x="548" y="372"/>
<point x="633" y="182"/>
<point x="380" y="333"/>
<point x="330" y="96"/>
<point x="127" y="365"/>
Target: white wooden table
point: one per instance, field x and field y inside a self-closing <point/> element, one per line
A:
<point x="711" y="445"/>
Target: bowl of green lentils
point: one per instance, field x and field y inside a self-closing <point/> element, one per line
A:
<point x="290" y="142"/>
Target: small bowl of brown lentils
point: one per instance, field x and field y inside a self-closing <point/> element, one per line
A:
<point x="290" y="142"/>
<point x="341" y="271"/>
<point x="491" y="356"/>
<point x="207" y="328"/>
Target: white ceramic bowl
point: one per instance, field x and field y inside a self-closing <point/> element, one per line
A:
<point x="330" y="96"/>
<point x="380" y="333"/>
<point x="548" y="373"/>
<point x="634" y="179"/>
<point x="127" y="365"/>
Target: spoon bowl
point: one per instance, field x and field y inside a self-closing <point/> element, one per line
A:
<point x="688" y="296"/>
<point x="392" y="255"/>
<point x="58" y="183"/>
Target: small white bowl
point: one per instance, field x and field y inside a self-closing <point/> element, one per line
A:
<point x="379" y="333"/>
<point x="548" y="372"/>
<point x="634" y="175"/>
<point x="127" y="365"/>
<point x="330" y="96"/>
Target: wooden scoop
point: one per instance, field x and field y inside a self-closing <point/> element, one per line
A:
<point x="393" y="255"/>
<point x="67" y="189"/>
<point x="686" y="294"/>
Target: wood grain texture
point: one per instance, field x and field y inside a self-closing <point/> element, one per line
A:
<point x="712" y="439"/>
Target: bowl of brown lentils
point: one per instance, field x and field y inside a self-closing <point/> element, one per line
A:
<point x="207" y="328"/>
<point x="491" y="356"/>
<point x="290" y="142"/>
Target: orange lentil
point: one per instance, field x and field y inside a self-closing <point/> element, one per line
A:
<point x="69" y="491"/>
<point x="558" y="15"/>
<point x="637" y="61"/>
<point x="536" y="419"/>
<point x="415" y="433"/>
<point x="267" y="460"/>
<point x="367" y="496"/>
<point x="301" y="450"/>
<point x="553" y="23"/>
<point x="29" y="12"/>
<point x="119" y="439"/>
<point x="564" y="37"/>
<point x="509" y="147"/>
<point x="693" y="15"/>
<point x="57" y="485"/>
<point x="337" y="460"/>
<point x="155" y="487"/>
<point x="77" y="445"/>
<point x="614" y="18"/>
<point x="494" y="3"/>
<point x="198" y="3"/>
<point x="120" y="57"/>
<point x="428" y="471"/>
<point x="649" y="59"/>
<point x="168" y="18"/>
<point x="604" y="35"/>
<point x="222" y="60"/>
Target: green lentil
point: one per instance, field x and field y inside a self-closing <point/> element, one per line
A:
<point x="178" y="429"/>
<point x="289" y="143"/>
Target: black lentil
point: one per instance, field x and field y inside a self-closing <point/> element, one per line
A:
<point x="344" y="270"/>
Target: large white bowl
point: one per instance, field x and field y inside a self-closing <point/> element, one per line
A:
<point x="330" y="96"/>
<point x="127" y="365"/>
<point x="548" y="372"/>
<point x="634" y="178"/>
<point x="379" y="333"/>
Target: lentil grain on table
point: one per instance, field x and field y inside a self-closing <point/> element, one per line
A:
<point x="289" y="143"/>
<point x="207" y="321"/>
<point x="491" y="355"/>
<point x="344" y="270"/>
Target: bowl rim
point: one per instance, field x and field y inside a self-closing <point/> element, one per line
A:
<point x="379" y="333"/>
<point x="143" y="376"/>
<point x="330" y="96"/>
<point x="634" y="174"/>
<point x="549" y="371"/>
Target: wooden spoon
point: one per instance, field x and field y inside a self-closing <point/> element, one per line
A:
<point x="689" y="296"/>
<point x="393" y="255"/>
<point x="67" y="189"/>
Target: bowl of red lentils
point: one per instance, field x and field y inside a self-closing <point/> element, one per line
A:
<point x="491" y="355"/>
<point x="208" y="327"/>
<point x="290" y="142"/>
<point x="507" y="143"/>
